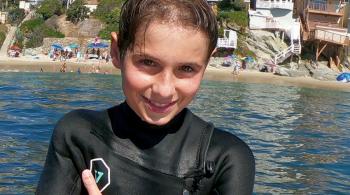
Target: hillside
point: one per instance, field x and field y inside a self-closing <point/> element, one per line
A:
<point x="89" y="27"/>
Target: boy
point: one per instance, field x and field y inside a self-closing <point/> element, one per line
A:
<point x="151" y="143"/>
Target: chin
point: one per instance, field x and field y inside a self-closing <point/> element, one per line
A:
<point x="157" y="121"/>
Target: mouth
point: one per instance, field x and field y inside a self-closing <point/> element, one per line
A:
<point x="159" y="107"/>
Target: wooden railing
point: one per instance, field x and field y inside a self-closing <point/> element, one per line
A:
<point x="281" y="4"/>
<point x="268" y="24"/>
<point x="333" y="37"/>
<point x="324" y="7"/>
<point x="226" y="43"/>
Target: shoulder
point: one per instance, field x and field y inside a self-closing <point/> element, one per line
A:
<point x="76" y="125"/>
<point x="78" y="119"/>
<point x="228" y="147"/>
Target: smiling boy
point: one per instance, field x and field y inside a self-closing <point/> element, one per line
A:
<point x="151" y="143"/>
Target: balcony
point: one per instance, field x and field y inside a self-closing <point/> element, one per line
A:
<point x="279" y="4"/>
<point x="331" y="36"/>
<point x="324" y="8"/>
<point x="226" y="43"/>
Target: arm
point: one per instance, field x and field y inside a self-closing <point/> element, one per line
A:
<point x="60" y="173"/>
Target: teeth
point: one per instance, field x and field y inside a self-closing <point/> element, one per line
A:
<point x="158" y="104"/>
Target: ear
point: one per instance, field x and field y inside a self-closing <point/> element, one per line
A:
<point x="214" y="51"/>
<point x="115" y="50"/>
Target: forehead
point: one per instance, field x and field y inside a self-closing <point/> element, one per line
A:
<point x="160" y="31"/>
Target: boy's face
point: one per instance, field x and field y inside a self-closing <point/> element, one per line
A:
<point x="162" y="74"/>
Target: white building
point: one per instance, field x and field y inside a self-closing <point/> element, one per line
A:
<point x="277" y="15"/>
<point x="229" y="40"/>
<point x="3" y="17"/>
<point x="26" y="4"/>
<point x="92" y="5"/>
<point x="273" y="15"/>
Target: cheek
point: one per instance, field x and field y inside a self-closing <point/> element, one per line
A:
<point x="190" y="87"/>
<point x="134" y="81"/>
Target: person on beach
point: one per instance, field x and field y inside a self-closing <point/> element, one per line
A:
<point x="63" y="67"/>
<point x="151" y="143"/>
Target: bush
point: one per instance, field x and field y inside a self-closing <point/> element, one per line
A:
<point x="238" y="17"/>
<point x="49" y="8"/>
<point x="15" y="15"/>
<point x="19" y="39"/>
<point x="50" y="32"/>
<point x="106" y="32"/>
<point x="108" y="11"/>
<point x="35" y="39"/>
<point x="229" y="5"/>
<point x="107" y="7"/>
<point x="35" y="30"/>
<point x="77" y="11"/>
<point x="242" y="49"/>
<point x="2" y="37"/>
<point x="29" y="25"/>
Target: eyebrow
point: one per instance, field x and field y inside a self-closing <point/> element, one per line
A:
<point x="145" y="55"/>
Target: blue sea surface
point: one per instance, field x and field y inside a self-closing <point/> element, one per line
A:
<point x="300" y="137"/>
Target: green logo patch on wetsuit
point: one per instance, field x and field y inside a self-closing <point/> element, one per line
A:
<point x="101" y="171"/>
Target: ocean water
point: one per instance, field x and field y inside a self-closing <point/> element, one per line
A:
<point x="300" y="137"/>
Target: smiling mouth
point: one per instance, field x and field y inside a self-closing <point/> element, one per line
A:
<point x="159" y="107"/>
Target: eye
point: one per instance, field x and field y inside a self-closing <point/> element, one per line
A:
<point x="147" y="62"/>
<point x="186" y="68"/>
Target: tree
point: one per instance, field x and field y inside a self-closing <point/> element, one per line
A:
<point x="77" y="11"/>
<point x="15" y="15"/>
<point x="105" y="7"/>
<point x="49" y="8"/>
<point x="108" y="11"/>
<point x="227" y="5"/>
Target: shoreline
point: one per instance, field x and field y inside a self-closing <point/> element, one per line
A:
<point x="212" y="73"/>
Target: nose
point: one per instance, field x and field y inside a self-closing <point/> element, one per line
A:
<point x="164" y="85"/>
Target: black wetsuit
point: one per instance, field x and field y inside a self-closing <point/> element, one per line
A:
<point x="145" y="159"/>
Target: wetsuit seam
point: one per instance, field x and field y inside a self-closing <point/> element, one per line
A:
<point x="199" y="148"/>
<point x="74" y="184"/>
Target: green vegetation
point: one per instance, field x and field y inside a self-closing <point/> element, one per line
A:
<point x="242" y="49"/>
<point x="49" y="8"/>
<point x="238" y="17"/>
<point x="35" y="30"/>
<point x="19" y="39"/>
<point x="29" y="25"/>
<point x="234" y="12"/>
<point x="77" y="11"/>
<point x="108" y="11"/>
<point x="3" y="32"/>
<point x="229" y="5"/>
<point x="2" y="37"/>
<point x="15" y="15"/>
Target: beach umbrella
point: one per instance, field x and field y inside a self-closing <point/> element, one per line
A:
<point x="57" y="46"/>
<point x="73" y="45"/>
<point x="98" y="45"/>
<point x="67" y="49"/>
<point x="15" y="47"/>
<point x="344" y="77"/>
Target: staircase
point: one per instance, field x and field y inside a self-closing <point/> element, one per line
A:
<point x="294" y="48"/>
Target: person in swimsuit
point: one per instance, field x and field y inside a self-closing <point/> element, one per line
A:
<point x="151" y="143"/>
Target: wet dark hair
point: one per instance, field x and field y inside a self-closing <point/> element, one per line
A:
<point x="136" y="14"/>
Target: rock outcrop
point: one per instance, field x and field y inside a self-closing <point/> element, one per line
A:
<point x="89" y="27"/>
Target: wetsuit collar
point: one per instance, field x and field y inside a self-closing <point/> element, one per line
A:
<point x="126" y="124"/>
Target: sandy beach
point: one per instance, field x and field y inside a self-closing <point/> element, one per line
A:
<point x="27" y="64"/>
